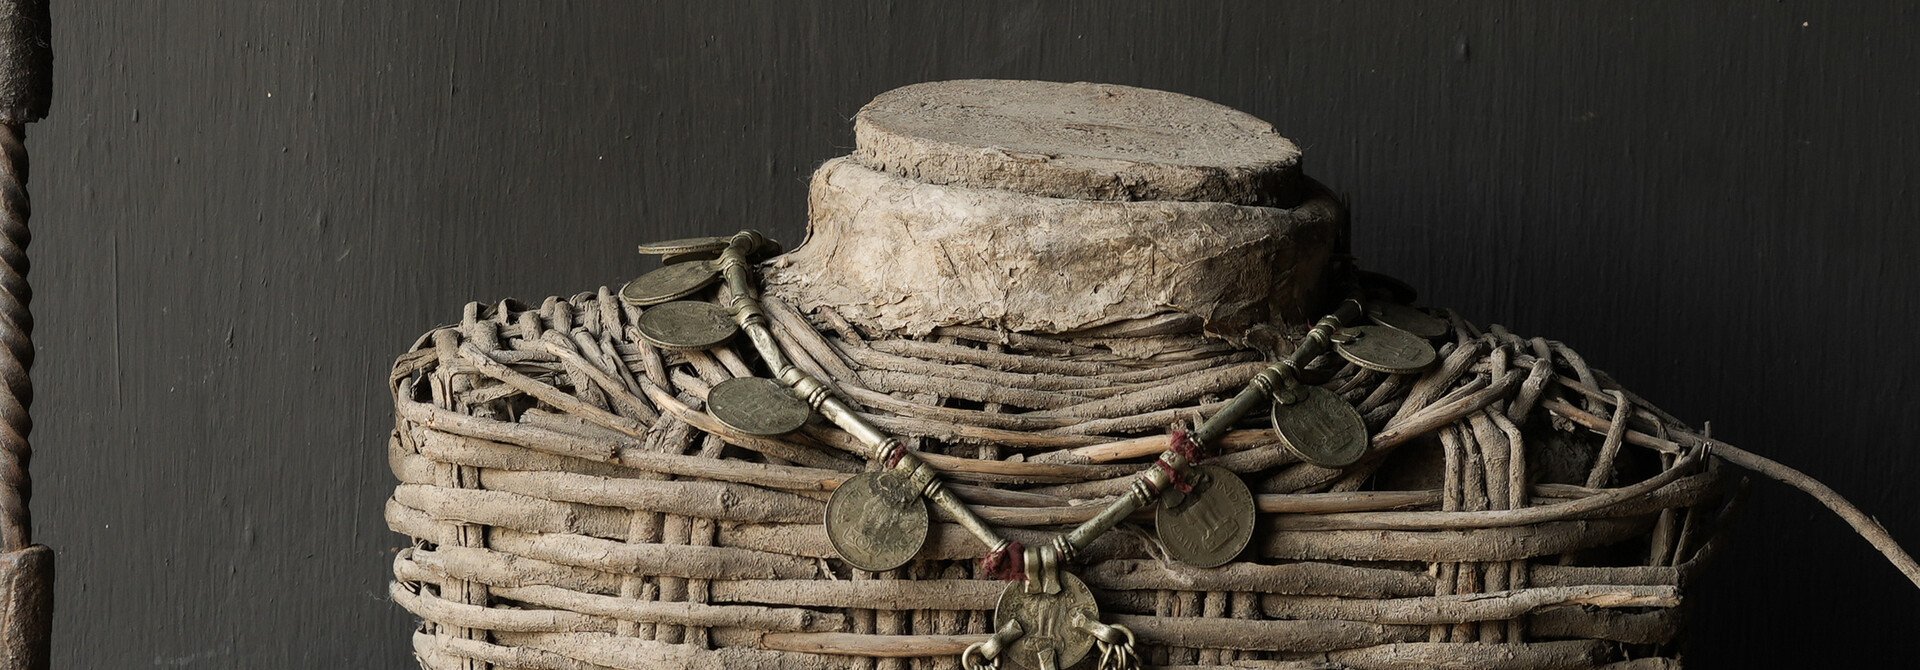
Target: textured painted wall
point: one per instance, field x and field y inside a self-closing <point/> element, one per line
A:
<point x="244" y="213"/>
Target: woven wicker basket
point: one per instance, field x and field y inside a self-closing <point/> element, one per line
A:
<point x="571" y="506"/>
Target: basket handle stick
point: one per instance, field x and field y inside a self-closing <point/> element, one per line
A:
<point x="1864" y="525"/>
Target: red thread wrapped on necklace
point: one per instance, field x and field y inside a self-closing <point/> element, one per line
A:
<point x="1008" y="562"/>
<point x="1181" y="442"/>
<point x="1173" y="477"/>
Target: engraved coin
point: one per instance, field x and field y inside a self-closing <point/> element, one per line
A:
<point x="1384" y="349"/>
<point x="876" y="521"/>
<point x="757" y="406"/>
<point x="1172" y="496"/>
<point x="1412" y="320"/>
<point x="1385" y="286"/>
<point x="686" y="324"/>
<point x="1051" y="621"/>
<point x="682" y="246"/>
<point x="670" y="283"/>
<point x="690" y="256"/>
<point x="1321" y="428"/>
<point x="1212" y="524"/>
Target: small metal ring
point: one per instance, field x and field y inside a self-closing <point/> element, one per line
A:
<point x="813" y="391"/>
<point x="1320" y="335"/>
<point x="924" y="479"/>
<point x="1102" y="633"/>
<point x="751" y="240"/>
<point x="1148" y="485"/>
<point x="889" y="449"/>
<point x="977" y="650"/>
<point x="1065" y="548"/>
<point x="1270" y="379"/>
<point x="1287" y="370"/>
<point x="747" y="312"/>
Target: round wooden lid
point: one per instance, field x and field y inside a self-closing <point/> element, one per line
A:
<point x="1080" y="140"/>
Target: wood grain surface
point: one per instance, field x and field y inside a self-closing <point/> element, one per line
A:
<point x="243" y="211"/>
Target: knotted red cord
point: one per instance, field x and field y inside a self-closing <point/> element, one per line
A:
<point x="1173" y="477"/>
<point x="1179" y="441"/>
<point x="1009" y="562"/>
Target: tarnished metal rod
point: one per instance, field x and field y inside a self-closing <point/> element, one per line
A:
<point x="26" y="569"/>
<point x="747" y="311"/>
<point x="1271" y="380"/>
<point x="1281" y="377"/>
<point x="1277" y="378"/>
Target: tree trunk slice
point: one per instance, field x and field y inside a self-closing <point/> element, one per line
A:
<point x="1081" y="141"/>
<point x="903" y="256"/>
<point x="1050" y="208"/>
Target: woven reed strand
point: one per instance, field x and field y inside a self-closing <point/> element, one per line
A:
<point x="573" y="507"/>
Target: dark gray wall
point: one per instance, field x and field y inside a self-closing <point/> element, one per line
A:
<point x="244" y="213"/>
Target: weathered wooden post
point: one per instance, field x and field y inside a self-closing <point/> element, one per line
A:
<point x="26" y="569"/>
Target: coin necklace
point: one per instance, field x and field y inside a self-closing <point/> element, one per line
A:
<point x="878" y="520"/>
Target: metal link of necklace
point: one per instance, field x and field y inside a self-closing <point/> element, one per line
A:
<point x="879" y="520"/>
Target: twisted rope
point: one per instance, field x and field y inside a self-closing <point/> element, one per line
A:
<point x="16" y="342"/>
<point x="26" y="569"/>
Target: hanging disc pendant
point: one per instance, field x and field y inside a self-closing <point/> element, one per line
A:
<point x="1212" y="523"/>
<point x="876" y="521"/>
<point x="670" y="283"/>
<point x="1384" y="349"/>
<point x="1051" y="623"/>
<point x="1320" y="428"/>
<point x="683" y="246"/>
<point x="689" y="257"/>
<point x="686" y="324"/>
<point x="757" y="406"/>
<point x="1412" y="320"/>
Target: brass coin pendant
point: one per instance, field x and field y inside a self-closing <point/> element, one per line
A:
<point x="690" y="257"/>
<point x="757" y="406"/>
<point x="1051" y="621"/>
<point x="1411" y="320"/>
<point x="670" y="283"/>
<point x="1212" y="524"/>
<point x="686" y="324"/>
<point x="1321" y="428"/>
<point x="682" y="246"/>
<point x="875" y="520"/>
<point x="1384" y="349"/>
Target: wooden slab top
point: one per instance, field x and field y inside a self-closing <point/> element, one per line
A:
<point x="1077" y="140"/>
